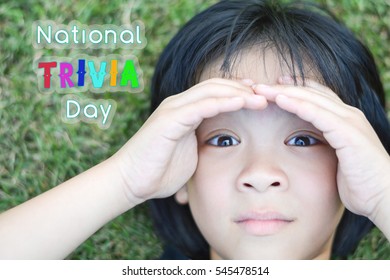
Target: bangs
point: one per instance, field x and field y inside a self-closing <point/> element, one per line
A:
<point x="306" y="39"/>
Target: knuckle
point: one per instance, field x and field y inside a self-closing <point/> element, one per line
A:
<point x="213" y="80"/>
<point x="168" y="100"/>
<point x="355" y="116"/>
<point x="356" y="113"/>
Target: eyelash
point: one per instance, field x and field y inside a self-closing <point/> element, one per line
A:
<point x="220" y="141"/>
<point x="303" y="140"/>
<point x="299" y="141"/>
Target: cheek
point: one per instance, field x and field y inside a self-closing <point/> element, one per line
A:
<point x="323" y="174"/>
<point x="208" y="188"/>
<point x="316" y="199"/>
<point x="210" y="191"/>
<point x="318" y="188"/>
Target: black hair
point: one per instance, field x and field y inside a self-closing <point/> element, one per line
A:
<point x="300" y="34"/>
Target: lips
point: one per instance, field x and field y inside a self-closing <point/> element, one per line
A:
<point x="263" y="223"/>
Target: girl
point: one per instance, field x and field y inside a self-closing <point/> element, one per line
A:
<point x="303" y="44"/>
<point x="268" y="139"/>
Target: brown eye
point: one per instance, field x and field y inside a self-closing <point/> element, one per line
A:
<point x="302" y="141"/>
<point x="223" y="141"/>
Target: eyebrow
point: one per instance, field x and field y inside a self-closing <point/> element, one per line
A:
<point x="225" y="119"/>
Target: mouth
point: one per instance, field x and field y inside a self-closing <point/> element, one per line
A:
<point x="262" y="223"/>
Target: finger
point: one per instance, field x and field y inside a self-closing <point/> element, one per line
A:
<point x="213" y="91"/>
<point x="247" y="82"/>
<point x="189" y="117"/>
<point x="213" y="87"/>
<point x="242" y="85"/>
<point x="295" y="91"/>
<point x="206" y="108"/>
<point x="305" y="94"/>
<point x="326" y="121"/>
<point x="322" y="89"/>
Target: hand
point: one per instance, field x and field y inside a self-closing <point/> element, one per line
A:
<point x="363" y="163"/>
<point x="162" y="156"/>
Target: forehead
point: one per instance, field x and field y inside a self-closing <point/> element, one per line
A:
<point x="270" y="119"/>
<point x="259" y="64"/>
<point x="263" y="66"/>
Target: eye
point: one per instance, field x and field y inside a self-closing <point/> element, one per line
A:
<point x="223" y="141"/>
<point x="302" y="141"/>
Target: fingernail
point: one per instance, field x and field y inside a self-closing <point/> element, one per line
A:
<point x="261" y="86"/>
<point x="286" y="80"/>
<point x="247" y="82"/>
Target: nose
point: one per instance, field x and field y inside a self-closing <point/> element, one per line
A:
<point x="262" y="173"/>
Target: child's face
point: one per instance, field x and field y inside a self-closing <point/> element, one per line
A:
<point x="257" y="194"/>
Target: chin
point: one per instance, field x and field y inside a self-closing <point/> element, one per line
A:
<point x="274" y="253"/>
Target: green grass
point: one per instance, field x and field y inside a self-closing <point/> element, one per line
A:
<point x="38" y="151"/>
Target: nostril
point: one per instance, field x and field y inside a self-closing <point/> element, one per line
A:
<point x="275" y="184"/>
<point x="247" y="185"/>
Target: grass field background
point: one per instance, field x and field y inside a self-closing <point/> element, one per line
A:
<point x="38" y="151"/>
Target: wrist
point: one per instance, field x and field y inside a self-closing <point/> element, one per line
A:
<point x="126" y="178"/>
<point x="381" y="214"/>
<point x="106" y="188"/>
